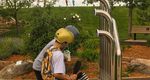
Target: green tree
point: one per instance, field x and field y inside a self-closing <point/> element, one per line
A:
<point x="89" y="1"/>
<point x="144" y="13"/>
<point x="131" y="4"/>
<point x="46" y="3"/>
<point x="13" y="6"/>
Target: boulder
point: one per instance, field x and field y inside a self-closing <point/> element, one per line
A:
<point x="15" y="69"/>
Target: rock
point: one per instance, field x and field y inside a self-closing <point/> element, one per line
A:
<point x="15" y="69"/>
<point x="140" y="65"/>
<point x="5" y="63"/>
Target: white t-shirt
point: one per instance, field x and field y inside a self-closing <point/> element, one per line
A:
<point x="58" y="64"/>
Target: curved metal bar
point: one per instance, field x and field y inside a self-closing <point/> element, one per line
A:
<point x="106" y="4"/>
<point x="105" y="14"/>
<point x="118" y="50"/>
<point x="117" y="43"/>
<point x="105" y="33"/>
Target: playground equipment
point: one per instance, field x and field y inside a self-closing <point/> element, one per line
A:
<point x="110" y="54"/>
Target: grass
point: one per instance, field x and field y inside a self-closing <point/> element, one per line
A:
<point x="121" y="16"/>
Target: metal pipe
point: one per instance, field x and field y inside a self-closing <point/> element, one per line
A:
<point x="107" y="56"/>
<point x="106" y="67"/>
<point x="116" y="38"/>
<point x="109" y="70"/>
<point x="118" y="50"/>
<point x="110" y="46"/>
<point x="109" y="66"/>
<point x="105" y="33"/>
<point x="102" y="46"/>
<point x="105" y="14"/>
<point x="106" y="5"/>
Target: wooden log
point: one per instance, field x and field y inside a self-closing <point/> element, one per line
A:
<point x="15" y="69"/>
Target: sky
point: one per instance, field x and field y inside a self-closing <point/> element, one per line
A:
<point x="77" y="3"/>
<point x="62" y="3"/>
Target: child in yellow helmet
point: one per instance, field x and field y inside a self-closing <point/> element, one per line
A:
<point x="63" y="37"/>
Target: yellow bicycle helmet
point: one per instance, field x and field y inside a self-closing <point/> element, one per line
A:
<point x="67" y="34"/>
<point x="63" y="35"/>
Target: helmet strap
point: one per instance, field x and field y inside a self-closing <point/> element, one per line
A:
<point x="57" y="45"/>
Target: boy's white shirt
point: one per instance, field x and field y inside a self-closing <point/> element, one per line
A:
<point x="58" y="62"/>
<point x="58" y="67"/>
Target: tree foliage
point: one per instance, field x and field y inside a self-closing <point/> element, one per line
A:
<point x="18" y="4"/>
<point x="131" y="4"/>
<point x="136" y="3"/>
<point x="144" y="13"/>
<point x="89" y="1"/>
<point x="11" y="8"/>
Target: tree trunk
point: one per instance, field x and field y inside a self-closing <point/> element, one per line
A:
<point x="130" y="18"/>
<point x="15" y="16"/>
<point x="130" y="22"/>
<point x="16" y="19"/>
<point x="38" y="1"/>
<point x="45" y="3"/>
<point x="15" y="69"/>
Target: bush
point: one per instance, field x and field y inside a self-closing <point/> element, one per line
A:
<point x="41" y="30"/>
<point x="91" y="43"/>
<point x="89" y="49"/>
<point x="88" y="54"/>
<point x="37" y="38"/>
<point x="10" y="46"/>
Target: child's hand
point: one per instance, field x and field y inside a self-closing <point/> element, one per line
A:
<point x="73" y="77"/>
<point x="67" y="55"/>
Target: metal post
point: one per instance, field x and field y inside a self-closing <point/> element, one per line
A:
<point x="106" y="59"/>
<point x="118" y="51"/>
<point x="109" y="44"/>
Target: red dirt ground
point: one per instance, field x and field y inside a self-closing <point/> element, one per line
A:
<point x="90" y="66"/>
<point x="135" y="51"/>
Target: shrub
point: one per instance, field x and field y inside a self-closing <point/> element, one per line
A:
<point x="88" y="54"/>
<point x="89" y="49"/>
<point x="41" y="30"/>
<point x="10" y="46"/>
<point x="91" y="43"/>
<point x="38" y="37"/>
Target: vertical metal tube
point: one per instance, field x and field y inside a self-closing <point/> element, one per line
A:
<point x="118" y="51"/>
<point x="102" y="45"/>
<point x="105" y="55"/>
